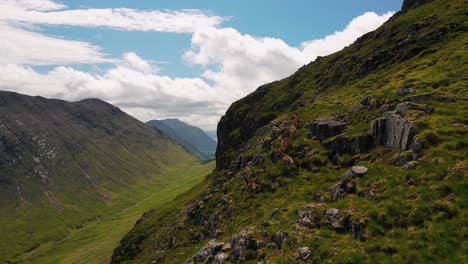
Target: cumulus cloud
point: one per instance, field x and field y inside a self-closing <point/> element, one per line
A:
<point x="240" y="63"/>
<point x="357" y="27"/>
<point x="234" y="63"/>
<point x="177" y="21"/>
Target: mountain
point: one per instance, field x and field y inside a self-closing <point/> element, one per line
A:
<point x="374" y="173"/>
<point x="191" y="137"/>
<point x="63" y="164"/>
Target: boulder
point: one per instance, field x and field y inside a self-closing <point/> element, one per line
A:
<point x="279" y="238"/>
<point x="404" y="107"/>
<point x="366" y="101"/>
<point x="220" y="258"/>
<point x="422" y="97"/>
<point x="324" y="128"/>
<point x="207" y="252"/>
<point x="359" y="170"/>
<point x="304" y="253"/>
<point x="410" y="165"/>
<point x="405" y="90"/>
<point x="342" y="144"/>
<point x="240" y="243"/>
<point x="401" y="159"/>
<point x="357" y="229"/>
<point x="446" y="99"/>
<point x="333" y="216"/>
<point x="393" y="131"/>
<point x="344" y="187"/>
<point x="307" y="218"/>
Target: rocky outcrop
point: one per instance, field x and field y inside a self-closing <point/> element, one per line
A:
<point x="333" y="216"/>
<point x="304" y="253"/>
<point x="240" y="244"/>
<point x="324" y="128"/>
<point x="393" y="131"/>
<point x="207" y="253"/>
<point x="343" y="188"/>
<point x="343" y="144"/>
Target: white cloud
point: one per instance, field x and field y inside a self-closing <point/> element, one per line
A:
<point x="179" y="21"/>
<point x="239" y="63"/>
<point x="21" y="46"/>
<point x="359" y="26"/>
<point x="235" y="64"/>
<point x="132" y="61"/>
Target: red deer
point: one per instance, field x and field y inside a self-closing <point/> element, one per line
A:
<point x="284" y="145"/>
<point x="288" y="160"/>
<point x="297" y="120"/>
<point x="292" y="130"/>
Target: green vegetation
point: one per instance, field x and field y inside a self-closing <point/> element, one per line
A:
<point x="94" y="240"/>
<point x="395" y="215"/>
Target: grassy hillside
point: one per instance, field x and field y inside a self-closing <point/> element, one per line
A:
<point x="95" y="241"/>
<point x="409" y="207"/>
<point x="65" y="164"/>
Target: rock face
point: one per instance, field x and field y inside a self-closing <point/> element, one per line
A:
<point x="343" y="144"/>
<point x="206" y="253"/>
<point x="240" y="244"/>
<point x="393" y="131"/>
<point x="324" y="128"/>
<point x="333" y="216"/>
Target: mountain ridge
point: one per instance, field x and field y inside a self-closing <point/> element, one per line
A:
<point x="64" y="163"/>
<point x="191" y="137"/>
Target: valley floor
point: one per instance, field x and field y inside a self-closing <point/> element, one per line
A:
<point x="95" y="242"/>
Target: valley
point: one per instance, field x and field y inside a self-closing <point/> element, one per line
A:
<point x="95" y="241"/>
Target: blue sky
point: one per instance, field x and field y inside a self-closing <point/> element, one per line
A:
<point x="164" y="59"/>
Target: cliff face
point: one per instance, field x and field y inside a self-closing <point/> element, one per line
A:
<point x="358" y="157"/>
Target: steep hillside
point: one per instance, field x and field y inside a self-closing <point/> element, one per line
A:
<point x="374" y="172"/>
<point x="63" y="164"/>
<point x="192" y="138"/>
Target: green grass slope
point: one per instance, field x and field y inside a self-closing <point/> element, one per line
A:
<point x="64" y="164"/>
<point x="396" y="213"/>
<point x="95" y="241"/>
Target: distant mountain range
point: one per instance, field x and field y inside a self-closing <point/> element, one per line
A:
<point x="192" y="138"/>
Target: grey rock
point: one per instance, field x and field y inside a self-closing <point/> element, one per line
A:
<point x="346" y="186"/>
<point x="359" y="170"/>
<point x="405" y="90"/>
<point x="366" y="101"/>
<point x="393" y="131"/>
<point x="342" y="144"/>
<point x="446" y="99"/>
<point x="410" y="165"/>
<point x="220" y="258"/>
<point x="240" y="243"/>
<point x="206" y="252"/>
<point x="401" y="159"/>
<point x="422" y="97"/>
<point x="279" y="238"/>
<point x="333" y="216"/>
<point x="324" y="128"/>
<point x="304" y="253"/>
<point x="404" y="107"/>
<point x="357" y="229"/>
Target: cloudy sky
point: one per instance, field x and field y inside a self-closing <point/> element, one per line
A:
<point x="171" y="59"/>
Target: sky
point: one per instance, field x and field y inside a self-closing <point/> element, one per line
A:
<point x="171" y="59"/>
